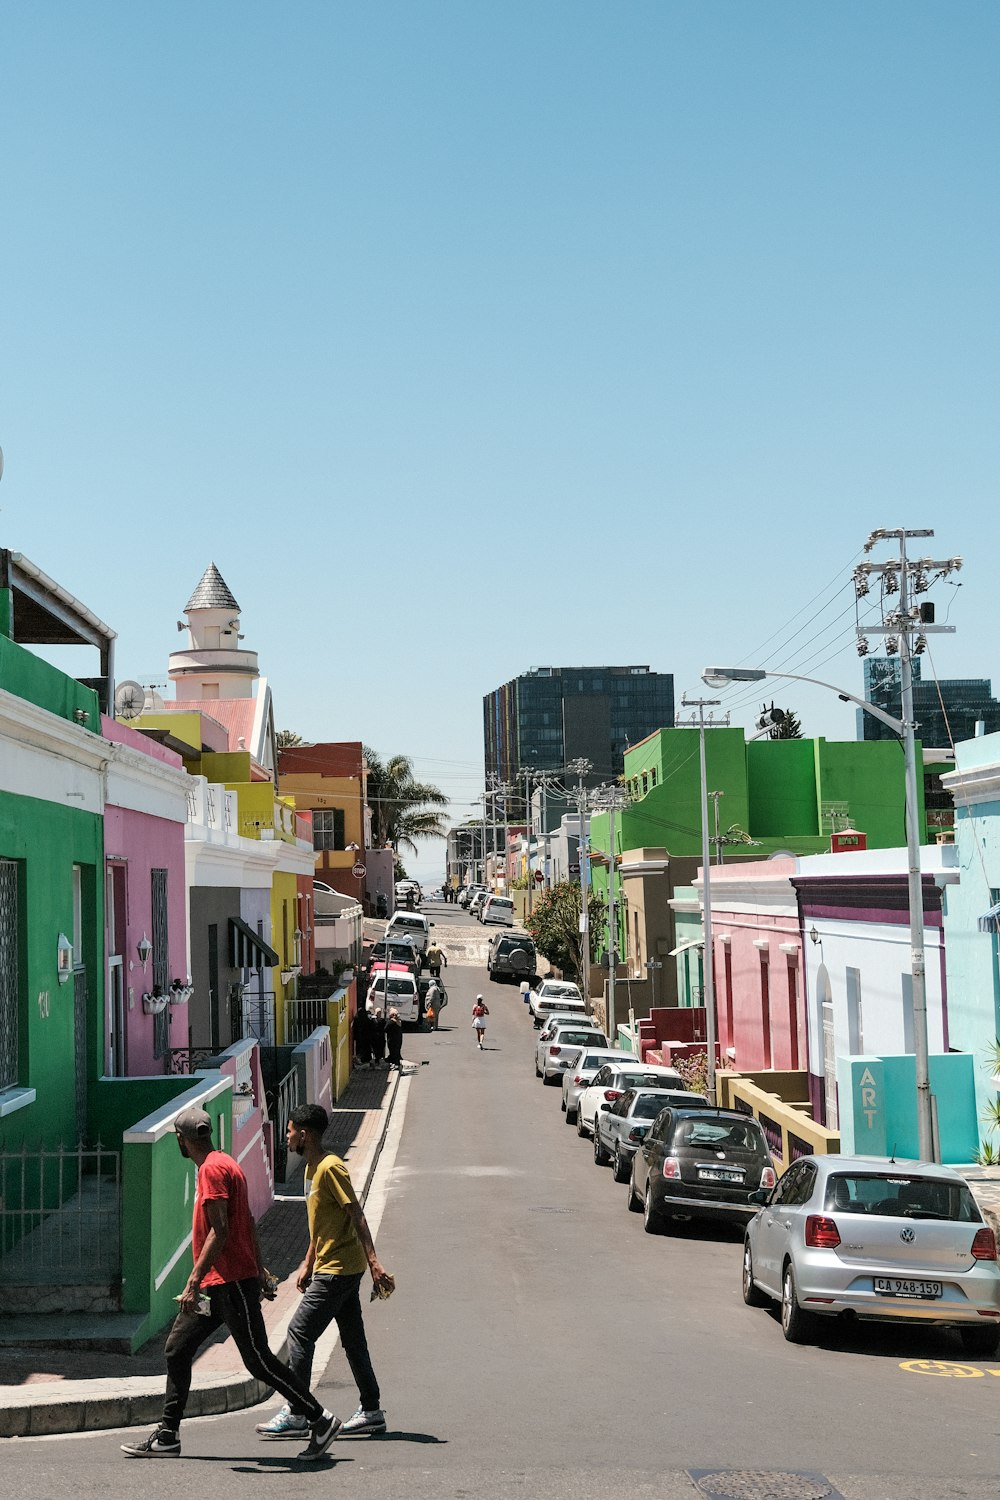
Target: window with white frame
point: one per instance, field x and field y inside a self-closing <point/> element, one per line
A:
<point x="328" y="828"/>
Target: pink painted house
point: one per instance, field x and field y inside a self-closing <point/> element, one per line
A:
<point x="146" y="923"/>
<point x="757" y="939"/>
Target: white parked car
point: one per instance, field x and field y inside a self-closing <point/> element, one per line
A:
<point x="497" y="909"/>
<point x="411" y="924"/>
<point x="557" y="1049"/>
<point x="553" y="995"/>
<point x="611" y="1082"/>
<point x="476" y="902"/>
<point x="581" y="1075"/>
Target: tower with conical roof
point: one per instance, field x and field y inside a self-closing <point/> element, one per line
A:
<point x="213" y="664"/>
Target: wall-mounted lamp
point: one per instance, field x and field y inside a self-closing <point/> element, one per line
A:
<point x="144" y="951"/>
<point x="813" y="936"/>
<point x="64" y="958"/>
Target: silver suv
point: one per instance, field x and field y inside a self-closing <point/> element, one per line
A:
<point x="511" y="955"/>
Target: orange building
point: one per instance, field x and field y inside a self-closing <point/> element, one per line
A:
<point x="328" y="780"/>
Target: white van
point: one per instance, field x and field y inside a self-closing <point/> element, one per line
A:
<point x="412" y="924"/>
<point x="497" y="909"/>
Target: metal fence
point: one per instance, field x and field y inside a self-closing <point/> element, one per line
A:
<point x="188" y="1059"/>
<point x="302" y="1016"/>
<point x="60" y="1216"/>
<point x="281" y="1100"/>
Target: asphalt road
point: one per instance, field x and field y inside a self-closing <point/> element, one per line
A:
<point x="540" y="1343"/>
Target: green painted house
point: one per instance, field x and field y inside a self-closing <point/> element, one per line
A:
<point x="777" y="795"/>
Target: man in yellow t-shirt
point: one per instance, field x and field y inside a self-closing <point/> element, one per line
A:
<point x="340" y="1246"/>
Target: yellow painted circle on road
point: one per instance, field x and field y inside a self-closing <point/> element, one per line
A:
<point x="941" y="1367"/>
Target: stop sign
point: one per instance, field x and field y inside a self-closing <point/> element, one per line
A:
<point x="357" y="871"/>
<point x="539" y="877"/>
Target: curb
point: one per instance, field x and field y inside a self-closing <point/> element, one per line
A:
<point x="46" y="1418"/>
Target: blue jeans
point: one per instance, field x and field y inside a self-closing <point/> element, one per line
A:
<point x="324" y="1299"/>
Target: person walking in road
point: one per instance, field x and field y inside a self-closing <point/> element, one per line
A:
<point x="330" y="1276"/>
<point x="225" y="1286"/>
<point x="435" y="960"/>
<point x="479" y="1013"/>
<point x="434" y="1001"/>
<point x="394" y="1039"/>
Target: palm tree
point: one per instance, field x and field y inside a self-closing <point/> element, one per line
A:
<point x="403" y="809"/>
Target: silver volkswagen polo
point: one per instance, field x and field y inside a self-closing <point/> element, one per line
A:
<point x="867" y="1237"/>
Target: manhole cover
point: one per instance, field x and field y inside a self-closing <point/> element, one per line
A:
<point x="762" y="1484"/>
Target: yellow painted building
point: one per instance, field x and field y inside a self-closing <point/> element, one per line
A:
<point x="328" y="780"/>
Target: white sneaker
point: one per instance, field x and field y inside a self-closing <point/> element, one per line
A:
<point x="284" y="1425"/>
<point x="364" y="1421"/>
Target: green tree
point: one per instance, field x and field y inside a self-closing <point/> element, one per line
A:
<point x="287" y="739"/>
<point x="555" y="925"/>
<point x="403" y="809"/>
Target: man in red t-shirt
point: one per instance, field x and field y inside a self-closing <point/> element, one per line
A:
<point x="225" y="1286"/>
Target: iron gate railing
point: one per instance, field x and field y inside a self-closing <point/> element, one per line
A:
<point x="280" y="1103"/>
<point x="60" y="1216"/>
<point x="8" y="973"/>
<point x="80" y="1049"/>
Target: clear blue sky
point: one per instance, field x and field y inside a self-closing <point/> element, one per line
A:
<point x="466" y="337"/>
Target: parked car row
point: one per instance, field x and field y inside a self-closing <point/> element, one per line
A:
<point x="837" y="1237"/>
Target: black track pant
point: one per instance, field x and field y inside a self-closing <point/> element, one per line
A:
<point x="237" y="1304"/>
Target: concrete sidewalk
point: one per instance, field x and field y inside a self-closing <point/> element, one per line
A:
<point x="65" y="1390"/>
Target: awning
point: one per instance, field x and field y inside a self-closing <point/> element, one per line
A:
<point x="248" y="949"/>
<point x="990" y="920"/>
<point x="683" y="947"/>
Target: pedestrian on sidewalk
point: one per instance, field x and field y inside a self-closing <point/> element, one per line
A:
<point x="225" y="1287"/>
<point x="479" y="1013"/>
<point x="362" y="1037"/>
<point x="340" y="1247"/>
<point x="394" y="1039"/>
<point x="435" y="960"/>
<point x="378" y="1038"/>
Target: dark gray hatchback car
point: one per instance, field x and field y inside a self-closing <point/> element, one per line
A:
<point x="699" y="1163"/>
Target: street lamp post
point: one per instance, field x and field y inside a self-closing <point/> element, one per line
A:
<point x="720" y="676"/>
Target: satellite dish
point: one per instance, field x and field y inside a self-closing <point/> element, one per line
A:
<point x="130" y="699"/>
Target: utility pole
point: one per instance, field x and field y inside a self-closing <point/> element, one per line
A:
<point x="613" y="798"/>
<point x="582" y="768"/>
<point x="706" y="864"/>
<point x="905" y="629"/>
<point x="527" y="821"/>
<point x="718" y="841"/>
<point x="506" y="792"/>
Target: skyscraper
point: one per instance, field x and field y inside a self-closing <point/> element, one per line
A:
<point x="966" y="700"/>
<point x="550" y="716"/>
